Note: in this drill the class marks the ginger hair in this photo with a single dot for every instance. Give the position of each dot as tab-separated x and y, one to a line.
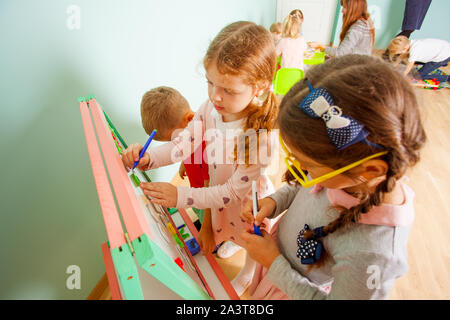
247	50
355	10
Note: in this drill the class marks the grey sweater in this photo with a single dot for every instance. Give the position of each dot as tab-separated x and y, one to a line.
364	259
358	40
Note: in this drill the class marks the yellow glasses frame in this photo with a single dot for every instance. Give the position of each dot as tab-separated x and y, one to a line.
304	181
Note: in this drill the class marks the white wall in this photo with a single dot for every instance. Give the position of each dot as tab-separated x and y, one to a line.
318	17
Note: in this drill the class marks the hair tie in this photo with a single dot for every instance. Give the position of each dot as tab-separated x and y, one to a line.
343	130
309	251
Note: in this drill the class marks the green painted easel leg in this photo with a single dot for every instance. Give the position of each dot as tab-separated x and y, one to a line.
156	262
127	273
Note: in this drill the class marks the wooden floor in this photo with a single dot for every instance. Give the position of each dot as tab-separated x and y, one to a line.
428	246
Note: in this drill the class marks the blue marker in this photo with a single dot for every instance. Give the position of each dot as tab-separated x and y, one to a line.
144	149
255	207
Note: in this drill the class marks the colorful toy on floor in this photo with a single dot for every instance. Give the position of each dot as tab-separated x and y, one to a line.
430	84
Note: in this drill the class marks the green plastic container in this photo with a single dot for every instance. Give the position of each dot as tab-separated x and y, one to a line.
285	79
318	58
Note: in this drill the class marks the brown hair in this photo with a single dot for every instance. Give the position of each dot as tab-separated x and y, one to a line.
375	95
276	27
292	24
162	108
247	50
355	10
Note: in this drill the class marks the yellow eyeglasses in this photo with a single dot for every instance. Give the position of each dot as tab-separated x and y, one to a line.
304	181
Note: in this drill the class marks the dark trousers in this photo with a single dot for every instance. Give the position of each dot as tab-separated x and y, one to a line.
415	11
429	67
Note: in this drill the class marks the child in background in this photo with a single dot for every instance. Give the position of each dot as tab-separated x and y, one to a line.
240	64
358	33
166	110
292	45
347	238
276	29
433	53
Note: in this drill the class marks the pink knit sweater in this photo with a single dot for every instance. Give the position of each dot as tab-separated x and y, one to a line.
230	182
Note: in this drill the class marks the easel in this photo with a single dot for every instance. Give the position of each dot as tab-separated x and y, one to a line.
140	257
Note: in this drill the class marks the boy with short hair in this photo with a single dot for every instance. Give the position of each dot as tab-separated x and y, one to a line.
165	109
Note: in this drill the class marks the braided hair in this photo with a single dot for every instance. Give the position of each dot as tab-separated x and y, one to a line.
377	96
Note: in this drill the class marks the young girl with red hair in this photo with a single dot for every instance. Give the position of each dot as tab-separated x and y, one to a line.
358	33
240	63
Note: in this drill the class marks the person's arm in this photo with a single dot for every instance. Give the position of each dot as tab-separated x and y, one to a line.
316	45
270	206
234	190
408	68
358	275
206	235
182	146
283	198
351	39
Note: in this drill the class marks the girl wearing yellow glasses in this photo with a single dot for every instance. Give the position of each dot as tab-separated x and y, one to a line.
349	130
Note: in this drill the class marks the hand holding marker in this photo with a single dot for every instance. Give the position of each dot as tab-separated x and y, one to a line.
255	207
144	149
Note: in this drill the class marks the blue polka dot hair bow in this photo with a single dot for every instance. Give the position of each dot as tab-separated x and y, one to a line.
309	251
343	130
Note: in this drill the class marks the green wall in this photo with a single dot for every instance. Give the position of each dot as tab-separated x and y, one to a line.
387	16
50	215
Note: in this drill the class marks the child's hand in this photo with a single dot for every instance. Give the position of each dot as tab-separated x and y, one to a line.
163	193
262	249
182	171
308	55
316	45
131	154
266	207
206	238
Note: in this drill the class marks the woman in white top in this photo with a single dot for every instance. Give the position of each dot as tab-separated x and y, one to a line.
292	45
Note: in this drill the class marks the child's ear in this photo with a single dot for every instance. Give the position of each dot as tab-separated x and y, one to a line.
188	117
261	89
374	168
